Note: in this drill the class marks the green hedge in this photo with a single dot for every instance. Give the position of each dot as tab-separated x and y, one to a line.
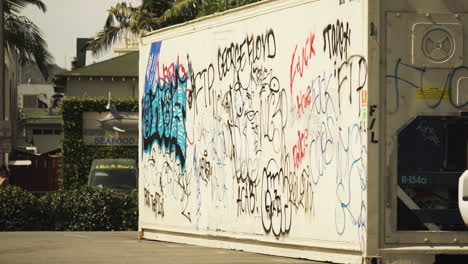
82	209
19	210
77	157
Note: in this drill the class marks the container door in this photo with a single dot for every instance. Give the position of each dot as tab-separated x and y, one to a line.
426	126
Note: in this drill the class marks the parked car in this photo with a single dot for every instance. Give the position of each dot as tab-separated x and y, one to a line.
117	174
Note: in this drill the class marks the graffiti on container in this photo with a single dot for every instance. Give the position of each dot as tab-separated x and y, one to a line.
201	85
352	176
410	76
428	132
205	169
247	197
164	106
299	149
372	110
300	60
337	39
171	183
342	2
351	76
256	149
235	57
155	202
276	209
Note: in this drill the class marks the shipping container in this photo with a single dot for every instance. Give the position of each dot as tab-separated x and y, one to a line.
332	130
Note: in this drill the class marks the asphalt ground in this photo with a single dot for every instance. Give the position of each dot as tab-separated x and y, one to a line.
115	247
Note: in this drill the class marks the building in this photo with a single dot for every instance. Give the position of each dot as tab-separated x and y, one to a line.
40	130
39	119
126	45
34	91
118	75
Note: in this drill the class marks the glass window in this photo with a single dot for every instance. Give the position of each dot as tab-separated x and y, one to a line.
114	178
37	131
29	101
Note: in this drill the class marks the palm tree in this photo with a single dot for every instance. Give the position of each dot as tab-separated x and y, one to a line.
23	37
212	6
123	21
126	21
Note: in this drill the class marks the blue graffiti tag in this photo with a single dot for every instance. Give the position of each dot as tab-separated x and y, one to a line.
418	83
351	167
164	106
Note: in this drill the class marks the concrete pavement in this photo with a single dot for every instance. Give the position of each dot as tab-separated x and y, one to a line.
115	247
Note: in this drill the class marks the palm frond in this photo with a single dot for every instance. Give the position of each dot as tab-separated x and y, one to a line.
120	22
24	37
211	7
181	11
120	13
15	6
155	7
144	21
105	39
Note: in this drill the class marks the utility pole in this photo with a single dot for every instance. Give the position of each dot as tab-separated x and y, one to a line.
2	77
2	62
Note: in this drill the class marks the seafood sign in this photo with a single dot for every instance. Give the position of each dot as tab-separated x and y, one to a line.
110	129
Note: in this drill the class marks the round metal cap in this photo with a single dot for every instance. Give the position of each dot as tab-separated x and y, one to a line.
438	45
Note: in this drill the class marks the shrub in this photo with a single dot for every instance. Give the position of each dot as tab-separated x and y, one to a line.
56	209
130	211
90	209
83	209
19	210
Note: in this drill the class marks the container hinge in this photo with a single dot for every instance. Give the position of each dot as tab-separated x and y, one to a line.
372	30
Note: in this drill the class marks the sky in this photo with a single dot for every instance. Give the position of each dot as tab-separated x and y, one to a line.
67	20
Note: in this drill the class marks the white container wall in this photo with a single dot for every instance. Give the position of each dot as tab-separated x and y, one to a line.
253	126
